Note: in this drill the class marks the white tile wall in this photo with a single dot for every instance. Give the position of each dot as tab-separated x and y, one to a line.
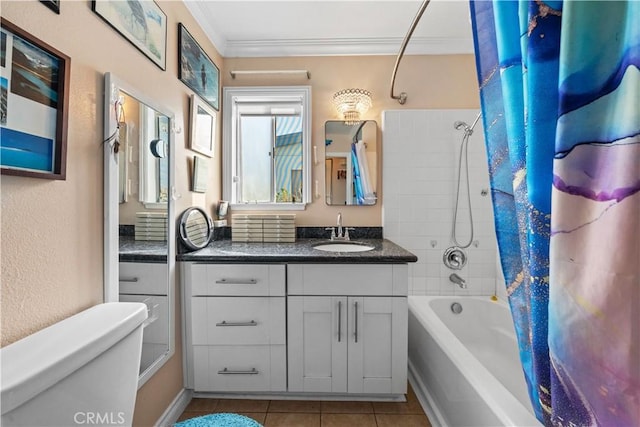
420	150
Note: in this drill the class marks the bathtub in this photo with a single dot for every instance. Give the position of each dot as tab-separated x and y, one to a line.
465	367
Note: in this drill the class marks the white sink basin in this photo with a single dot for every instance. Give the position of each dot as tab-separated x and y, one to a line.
343	247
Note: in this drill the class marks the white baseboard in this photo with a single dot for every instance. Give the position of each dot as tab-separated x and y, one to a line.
425	398
175	409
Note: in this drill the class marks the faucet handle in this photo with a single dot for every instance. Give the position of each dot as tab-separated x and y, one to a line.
333	232
346	232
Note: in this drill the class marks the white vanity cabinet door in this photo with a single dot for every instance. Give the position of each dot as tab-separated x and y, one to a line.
317	344
377	354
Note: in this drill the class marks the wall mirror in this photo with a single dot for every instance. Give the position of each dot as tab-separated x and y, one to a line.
139	248
351	163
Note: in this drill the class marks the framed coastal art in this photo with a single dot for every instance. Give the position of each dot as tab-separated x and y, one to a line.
34	98
196	69
141	22
52	4
202	130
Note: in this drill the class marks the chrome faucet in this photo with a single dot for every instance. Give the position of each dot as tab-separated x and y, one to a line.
340	232
458	280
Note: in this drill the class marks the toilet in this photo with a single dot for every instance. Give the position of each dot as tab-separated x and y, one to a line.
80	371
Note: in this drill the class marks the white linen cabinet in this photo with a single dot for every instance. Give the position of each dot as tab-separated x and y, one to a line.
347	328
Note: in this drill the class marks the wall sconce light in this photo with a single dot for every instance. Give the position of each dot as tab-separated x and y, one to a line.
352	104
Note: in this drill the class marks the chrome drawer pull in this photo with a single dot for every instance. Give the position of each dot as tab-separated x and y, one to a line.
237	281
356	320
339	321
128	279
252	371
225	323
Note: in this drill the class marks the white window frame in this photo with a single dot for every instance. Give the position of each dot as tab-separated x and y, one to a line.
265	94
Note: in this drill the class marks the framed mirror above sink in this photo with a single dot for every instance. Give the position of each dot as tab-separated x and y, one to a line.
351	163
139	230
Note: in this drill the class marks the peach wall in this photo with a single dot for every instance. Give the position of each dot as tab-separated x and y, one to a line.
52	231
435	81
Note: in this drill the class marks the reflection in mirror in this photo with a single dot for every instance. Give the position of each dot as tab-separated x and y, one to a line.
196	228
351	162
139	253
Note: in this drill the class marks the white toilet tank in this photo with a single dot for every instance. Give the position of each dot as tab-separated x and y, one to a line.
80	371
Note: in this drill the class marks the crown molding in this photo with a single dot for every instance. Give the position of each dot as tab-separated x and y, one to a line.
325	46
351	46
199	13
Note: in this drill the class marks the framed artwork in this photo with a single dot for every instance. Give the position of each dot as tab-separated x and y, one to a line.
34	99
202	131
141	22
52	4
196	69
200	175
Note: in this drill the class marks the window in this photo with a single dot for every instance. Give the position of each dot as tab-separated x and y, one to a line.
266	147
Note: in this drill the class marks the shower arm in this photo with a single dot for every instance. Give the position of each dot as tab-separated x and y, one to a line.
402	98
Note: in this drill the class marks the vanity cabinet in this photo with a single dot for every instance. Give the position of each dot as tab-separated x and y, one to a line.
146	282
235	329
347	328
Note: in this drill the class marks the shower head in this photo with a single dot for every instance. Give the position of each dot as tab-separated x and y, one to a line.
460	125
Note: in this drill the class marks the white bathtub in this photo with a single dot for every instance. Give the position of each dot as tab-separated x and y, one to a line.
465	367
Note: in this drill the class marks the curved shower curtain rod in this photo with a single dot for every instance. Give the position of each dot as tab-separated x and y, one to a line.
402	98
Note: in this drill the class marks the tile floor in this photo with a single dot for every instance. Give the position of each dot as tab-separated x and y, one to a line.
302	413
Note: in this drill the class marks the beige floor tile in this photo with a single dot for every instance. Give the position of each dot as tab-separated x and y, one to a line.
348	420
281	419
242	405
199	404
388	420
258	416
308	406
188	415
348	407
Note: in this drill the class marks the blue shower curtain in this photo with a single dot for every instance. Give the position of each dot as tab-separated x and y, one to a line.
560	97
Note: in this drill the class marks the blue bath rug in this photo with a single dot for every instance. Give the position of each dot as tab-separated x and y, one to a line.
219	420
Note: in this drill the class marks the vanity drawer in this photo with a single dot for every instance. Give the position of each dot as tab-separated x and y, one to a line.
236	279
143	278
238	320
239	368
347	279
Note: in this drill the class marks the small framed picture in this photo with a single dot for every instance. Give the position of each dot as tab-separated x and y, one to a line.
200	175
52	4
196	69
202	132
141	22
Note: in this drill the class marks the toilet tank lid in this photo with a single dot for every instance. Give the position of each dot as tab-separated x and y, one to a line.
38	361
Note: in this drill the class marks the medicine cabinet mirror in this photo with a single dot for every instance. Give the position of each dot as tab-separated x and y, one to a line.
139	249
351	163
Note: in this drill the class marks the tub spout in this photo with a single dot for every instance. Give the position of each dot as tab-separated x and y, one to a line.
458	280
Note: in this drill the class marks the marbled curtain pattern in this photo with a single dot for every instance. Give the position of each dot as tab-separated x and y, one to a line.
560	92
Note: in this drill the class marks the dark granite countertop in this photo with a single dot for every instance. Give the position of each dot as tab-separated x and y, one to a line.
132	250
226	251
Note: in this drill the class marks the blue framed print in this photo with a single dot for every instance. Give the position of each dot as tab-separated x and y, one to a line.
196	69
33	105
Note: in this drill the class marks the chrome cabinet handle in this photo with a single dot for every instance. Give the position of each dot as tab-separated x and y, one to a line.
225	323
252	371
128	279
237	281
356	320
339	321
